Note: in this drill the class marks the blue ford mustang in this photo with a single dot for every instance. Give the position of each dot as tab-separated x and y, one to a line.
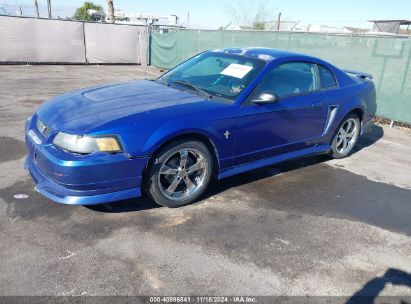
220	113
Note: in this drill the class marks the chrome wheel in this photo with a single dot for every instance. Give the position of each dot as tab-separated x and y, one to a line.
347	136
182	174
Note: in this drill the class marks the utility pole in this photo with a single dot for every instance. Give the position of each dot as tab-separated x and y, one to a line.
110	8
278	21
36	5
188	19
49	8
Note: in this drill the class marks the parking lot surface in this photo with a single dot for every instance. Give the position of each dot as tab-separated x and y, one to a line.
309	227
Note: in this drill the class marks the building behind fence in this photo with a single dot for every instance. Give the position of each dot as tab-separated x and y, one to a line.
56	41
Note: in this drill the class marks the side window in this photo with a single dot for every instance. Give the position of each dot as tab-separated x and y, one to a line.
290	78
327	78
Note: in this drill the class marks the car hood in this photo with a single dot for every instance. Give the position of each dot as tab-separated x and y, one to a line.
85	110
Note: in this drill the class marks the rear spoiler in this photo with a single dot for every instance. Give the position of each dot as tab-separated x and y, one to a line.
360	75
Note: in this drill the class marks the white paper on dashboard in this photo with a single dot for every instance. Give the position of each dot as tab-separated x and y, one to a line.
236	70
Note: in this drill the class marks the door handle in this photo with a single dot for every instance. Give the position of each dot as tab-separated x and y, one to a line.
317	105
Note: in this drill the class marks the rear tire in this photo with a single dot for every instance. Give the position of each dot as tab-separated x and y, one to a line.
346	136
179	173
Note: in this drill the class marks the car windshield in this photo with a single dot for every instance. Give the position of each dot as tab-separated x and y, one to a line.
214	75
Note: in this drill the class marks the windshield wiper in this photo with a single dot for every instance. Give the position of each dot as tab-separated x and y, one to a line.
194	87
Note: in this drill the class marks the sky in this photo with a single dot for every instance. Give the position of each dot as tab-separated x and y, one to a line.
213	13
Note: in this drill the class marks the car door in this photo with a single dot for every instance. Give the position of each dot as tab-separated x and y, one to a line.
296	121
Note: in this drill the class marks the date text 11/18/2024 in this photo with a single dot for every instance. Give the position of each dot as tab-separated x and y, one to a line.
203	299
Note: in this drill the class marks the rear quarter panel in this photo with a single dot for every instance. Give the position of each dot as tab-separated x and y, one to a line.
359	95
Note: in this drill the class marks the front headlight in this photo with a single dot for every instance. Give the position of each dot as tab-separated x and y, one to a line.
86	144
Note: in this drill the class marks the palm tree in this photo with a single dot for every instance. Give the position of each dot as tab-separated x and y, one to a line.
110	6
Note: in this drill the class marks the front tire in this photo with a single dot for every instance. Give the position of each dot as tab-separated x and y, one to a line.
346	136
179	173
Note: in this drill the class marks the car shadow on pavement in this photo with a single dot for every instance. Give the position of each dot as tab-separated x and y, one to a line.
374	134
216	186
130	205
219	186
143	203
370	291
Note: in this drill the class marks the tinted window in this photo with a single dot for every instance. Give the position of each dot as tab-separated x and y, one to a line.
290	78
326	77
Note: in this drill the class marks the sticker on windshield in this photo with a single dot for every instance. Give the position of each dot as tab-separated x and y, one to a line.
237	70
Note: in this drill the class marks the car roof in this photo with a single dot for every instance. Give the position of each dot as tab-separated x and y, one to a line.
265	54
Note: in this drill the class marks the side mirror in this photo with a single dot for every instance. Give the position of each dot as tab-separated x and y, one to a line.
264	98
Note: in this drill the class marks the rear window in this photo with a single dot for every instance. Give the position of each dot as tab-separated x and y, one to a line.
327	78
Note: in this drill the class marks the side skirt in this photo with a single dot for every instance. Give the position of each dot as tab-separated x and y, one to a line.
320	149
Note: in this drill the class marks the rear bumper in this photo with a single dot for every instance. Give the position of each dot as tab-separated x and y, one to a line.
82	179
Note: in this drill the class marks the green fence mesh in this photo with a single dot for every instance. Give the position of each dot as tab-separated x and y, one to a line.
388	59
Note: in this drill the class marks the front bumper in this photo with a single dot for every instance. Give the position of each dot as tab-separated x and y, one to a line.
81	179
